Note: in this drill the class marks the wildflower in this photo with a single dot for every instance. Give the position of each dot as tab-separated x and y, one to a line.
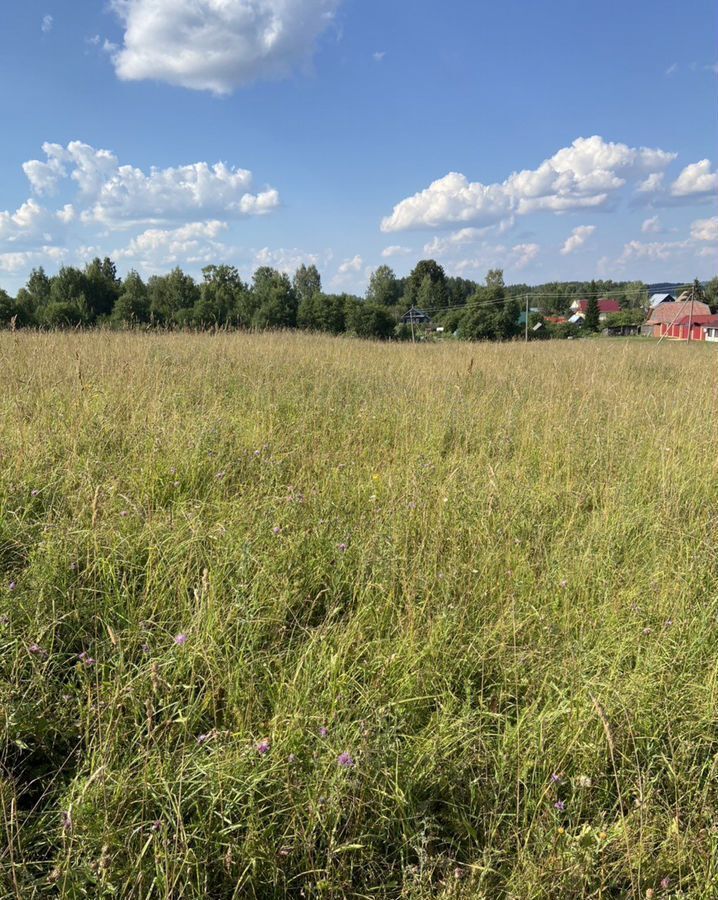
564	583
602	835
647	630
668	623
665	883
583	781
145	648
562	830
204	738
277	529
124	514
181	640
411	505
342	548
650	894
36	650
459	873
156	825
34	492
323	731
220	475
345	760
263	747
555	779
86	659
66	821
291	758
559	805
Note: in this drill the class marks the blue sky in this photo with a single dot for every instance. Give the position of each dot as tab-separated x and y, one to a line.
556	140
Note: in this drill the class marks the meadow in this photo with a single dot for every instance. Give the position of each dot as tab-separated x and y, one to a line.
297	616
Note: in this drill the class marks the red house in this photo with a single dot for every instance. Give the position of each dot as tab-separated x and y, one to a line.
694	328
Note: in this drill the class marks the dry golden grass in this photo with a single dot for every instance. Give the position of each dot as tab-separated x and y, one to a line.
476	566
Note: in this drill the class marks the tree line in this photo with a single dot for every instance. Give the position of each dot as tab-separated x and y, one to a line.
96	295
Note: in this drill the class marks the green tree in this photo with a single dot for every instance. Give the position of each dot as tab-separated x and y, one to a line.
221	296
384	288
102	287
8	308
435	273
168	294
369	320
711	292
324	312
275	300
592	318
132	305
307	282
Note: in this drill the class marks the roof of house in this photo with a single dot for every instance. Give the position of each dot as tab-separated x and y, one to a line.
656	299
604	305
416	313
667	312
698	320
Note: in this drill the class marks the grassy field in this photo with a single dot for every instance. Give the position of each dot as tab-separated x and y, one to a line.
297	616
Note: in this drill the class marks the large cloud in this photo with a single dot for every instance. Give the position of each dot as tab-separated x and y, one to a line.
696	180
705	229
115	194
217	45
582	176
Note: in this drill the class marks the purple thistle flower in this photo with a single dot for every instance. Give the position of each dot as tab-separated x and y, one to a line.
36	650
556	779
145	648
12	586
86	659
180	640
559	805
263	747
342	548
665	883
345	760
323	731
203	738
277	529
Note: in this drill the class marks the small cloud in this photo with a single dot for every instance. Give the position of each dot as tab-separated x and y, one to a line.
713	67
379	55
577	238
351	265
47	23
395	250
652	226
94	41
672	69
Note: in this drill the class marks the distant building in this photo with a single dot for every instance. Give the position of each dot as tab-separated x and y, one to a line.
666	314
694	328
605	308
415	316
657	299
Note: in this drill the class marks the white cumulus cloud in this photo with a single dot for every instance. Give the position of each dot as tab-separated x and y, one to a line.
395	250
651	225
577	238
217	45
46	24
191	244
705	229
351	265
113	194
696	179
581	176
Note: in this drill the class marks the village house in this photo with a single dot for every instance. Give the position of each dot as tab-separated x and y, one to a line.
696	328
605	308
415	316
657	299
666	315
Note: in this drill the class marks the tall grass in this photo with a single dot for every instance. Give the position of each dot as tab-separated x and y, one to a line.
309	617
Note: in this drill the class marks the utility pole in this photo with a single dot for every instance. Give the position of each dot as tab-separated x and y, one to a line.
411	319
527	318
690	314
